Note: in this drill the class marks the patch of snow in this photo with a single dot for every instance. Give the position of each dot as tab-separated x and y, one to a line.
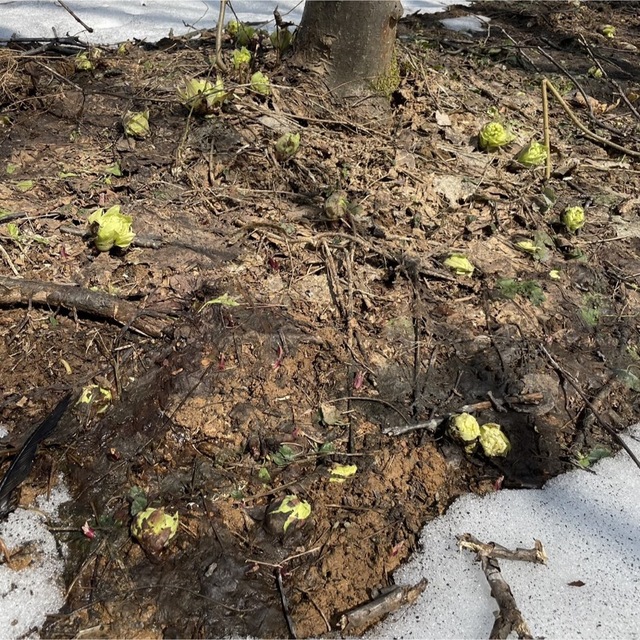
590	527
115	21
467	24
28	594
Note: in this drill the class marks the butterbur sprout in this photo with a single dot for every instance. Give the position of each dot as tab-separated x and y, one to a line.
287	514
464	429
595	72
492	136
136	123
154	529
241	57
287	145
260	84
201	96
336	206
111	228
573	218
83	63
528	246
493	441
608	30
459	264
533	154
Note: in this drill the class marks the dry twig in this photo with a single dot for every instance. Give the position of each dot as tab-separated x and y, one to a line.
366	615
509	619
96	303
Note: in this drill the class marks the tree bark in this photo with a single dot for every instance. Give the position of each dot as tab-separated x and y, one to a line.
350	43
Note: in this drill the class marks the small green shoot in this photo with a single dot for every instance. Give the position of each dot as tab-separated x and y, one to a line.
225	300
284	456
510	288
138	500
597	453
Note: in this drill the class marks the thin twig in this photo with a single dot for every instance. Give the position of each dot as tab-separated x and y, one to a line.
434	423
74	16
219	62
545	126
537	555
574	383
285	605
589	134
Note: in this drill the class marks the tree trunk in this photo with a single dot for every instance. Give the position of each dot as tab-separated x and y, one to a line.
350	43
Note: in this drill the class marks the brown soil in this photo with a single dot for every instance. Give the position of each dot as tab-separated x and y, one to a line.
342	330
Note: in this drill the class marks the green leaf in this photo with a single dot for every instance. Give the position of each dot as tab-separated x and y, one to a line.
13	230
284	456
114	170
597	453
138	500
264	475
25	185
224	300
12	168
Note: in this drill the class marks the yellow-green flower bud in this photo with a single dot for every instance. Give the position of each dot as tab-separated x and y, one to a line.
232	27
260	84
533	154
136	123
595	72
573	218
336	206
241	57
608	30
465	430
83	63
459	264
528	246
493	441
201	96
287	145
492	136
111	228
154	529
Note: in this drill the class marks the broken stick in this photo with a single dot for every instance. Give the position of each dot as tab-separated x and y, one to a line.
96	303
509	618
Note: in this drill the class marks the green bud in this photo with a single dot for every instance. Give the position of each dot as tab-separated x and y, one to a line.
260	84
201	96
241	57
287	514
459	264
287	145
608	30
493	441
573	218
492	136
465	430
136	123
281	39
595	72
533	154
336	206
154	529
111	228
83	63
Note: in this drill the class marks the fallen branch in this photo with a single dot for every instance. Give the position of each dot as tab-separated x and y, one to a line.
366	615
536	555
432	425
74	16
509	619
95	303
